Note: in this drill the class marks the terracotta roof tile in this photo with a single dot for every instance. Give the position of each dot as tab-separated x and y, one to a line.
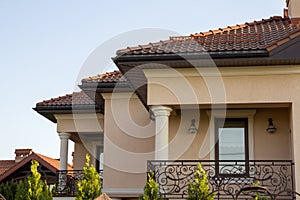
76	98
81	98
5	165
53	162
108	77
255	35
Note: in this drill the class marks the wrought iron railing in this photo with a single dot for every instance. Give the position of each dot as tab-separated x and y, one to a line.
226	178
67	181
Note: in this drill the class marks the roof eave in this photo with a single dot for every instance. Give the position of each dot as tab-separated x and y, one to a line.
193	55
105	87
49	111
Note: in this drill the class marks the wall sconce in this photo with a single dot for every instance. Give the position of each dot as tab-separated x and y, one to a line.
271	128
193	129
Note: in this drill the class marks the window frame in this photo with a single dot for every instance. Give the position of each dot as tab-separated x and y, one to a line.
222	123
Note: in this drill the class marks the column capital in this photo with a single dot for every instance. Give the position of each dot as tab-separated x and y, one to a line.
161	110
64	135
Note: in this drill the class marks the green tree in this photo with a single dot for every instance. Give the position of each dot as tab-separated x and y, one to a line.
33	188
89	187
199	189
8	190
151	190
22	189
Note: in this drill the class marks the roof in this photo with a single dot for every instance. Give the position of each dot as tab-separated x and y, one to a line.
250	43
74	99
77	99
69	103
83	101
12	166
5	165
53	162
257	35
108	77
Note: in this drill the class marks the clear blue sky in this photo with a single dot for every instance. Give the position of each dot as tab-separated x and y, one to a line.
43	45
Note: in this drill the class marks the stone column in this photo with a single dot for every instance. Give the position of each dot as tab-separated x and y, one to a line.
161	114
64	143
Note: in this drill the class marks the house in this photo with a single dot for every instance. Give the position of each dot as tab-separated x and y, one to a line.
228	98
19	168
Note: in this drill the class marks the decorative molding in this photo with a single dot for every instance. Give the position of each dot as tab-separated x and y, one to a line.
79	116
161	110
119	95
64	136
224	71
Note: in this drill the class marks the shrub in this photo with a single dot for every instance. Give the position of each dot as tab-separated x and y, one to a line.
89	187
8	190
258	195
199	189
151	190
22	190
33	188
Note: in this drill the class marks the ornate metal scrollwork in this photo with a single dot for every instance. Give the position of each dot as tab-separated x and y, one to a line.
67	181
226	178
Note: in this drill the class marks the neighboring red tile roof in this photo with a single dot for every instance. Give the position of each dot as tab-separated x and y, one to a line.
53	162
9	167
5	165
256	35
77	98
108	77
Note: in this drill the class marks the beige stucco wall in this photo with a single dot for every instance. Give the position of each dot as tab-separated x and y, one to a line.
81	122
128	144
237	86
129	133
121	149
228	85
277	146
294	8
246	87
86	131
79	156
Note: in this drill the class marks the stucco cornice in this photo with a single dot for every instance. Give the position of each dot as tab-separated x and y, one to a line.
228	71
123	95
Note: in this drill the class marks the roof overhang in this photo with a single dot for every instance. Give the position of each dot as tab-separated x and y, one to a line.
50	111
132	66
94	90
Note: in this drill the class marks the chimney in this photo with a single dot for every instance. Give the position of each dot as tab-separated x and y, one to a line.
293	10
21	154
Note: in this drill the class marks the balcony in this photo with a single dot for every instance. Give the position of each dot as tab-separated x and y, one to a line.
67	181
226	178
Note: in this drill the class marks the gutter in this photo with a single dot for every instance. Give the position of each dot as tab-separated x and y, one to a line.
49	111
197	55
106	87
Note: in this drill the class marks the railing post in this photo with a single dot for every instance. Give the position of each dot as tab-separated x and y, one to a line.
61	183
294	193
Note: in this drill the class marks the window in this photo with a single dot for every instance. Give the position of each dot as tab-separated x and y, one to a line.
99	157
231	149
